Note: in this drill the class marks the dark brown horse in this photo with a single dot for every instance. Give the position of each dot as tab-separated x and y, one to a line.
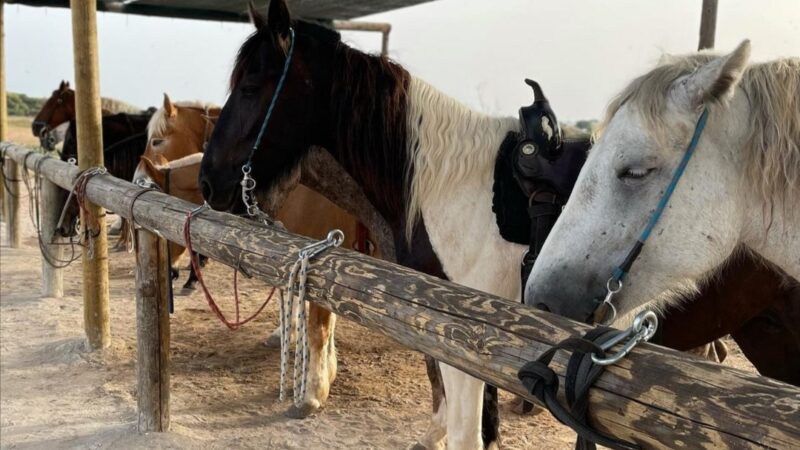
420	158
124	141
60	109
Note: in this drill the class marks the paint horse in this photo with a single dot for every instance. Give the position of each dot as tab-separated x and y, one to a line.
60	109
393	134
737	194
124	141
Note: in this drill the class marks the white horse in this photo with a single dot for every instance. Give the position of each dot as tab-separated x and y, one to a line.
740	191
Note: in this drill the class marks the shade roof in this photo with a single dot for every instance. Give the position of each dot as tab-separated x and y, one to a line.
235	10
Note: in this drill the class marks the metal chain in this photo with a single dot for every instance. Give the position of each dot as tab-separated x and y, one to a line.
297	283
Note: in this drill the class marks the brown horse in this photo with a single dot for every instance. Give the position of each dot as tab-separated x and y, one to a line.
60	109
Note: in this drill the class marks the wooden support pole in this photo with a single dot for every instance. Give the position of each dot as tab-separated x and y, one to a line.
708	24
655	396
90	154
13	179
12	174
52	277
3	106
152	331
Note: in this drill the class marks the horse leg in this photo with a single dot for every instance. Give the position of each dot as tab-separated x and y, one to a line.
189	285
465	403
433	439
321	362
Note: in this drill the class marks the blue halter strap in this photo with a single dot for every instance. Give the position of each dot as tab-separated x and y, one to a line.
275	97
614	283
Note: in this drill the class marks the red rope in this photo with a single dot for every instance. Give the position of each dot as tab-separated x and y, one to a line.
187	237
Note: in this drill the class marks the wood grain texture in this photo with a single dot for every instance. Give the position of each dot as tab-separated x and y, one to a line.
90	154
52	277
658	397
152	331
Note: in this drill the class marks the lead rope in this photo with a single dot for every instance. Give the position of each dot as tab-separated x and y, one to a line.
212	304
297	283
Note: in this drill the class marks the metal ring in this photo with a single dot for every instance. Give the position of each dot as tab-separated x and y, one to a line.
335	237
246	169
613	290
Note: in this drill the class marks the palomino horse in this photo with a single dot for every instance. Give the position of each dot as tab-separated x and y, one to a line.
60	109
178	133
124	139
395	135
738	193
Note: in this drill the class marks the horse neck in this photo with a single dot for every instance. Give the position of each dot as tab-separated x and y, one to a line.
771	230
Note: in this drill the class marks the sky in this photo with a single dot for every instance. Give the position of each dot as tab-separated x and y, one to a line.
479	51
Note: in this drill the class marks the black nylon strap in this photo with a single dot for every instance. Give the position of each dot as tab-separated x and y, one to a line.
540	380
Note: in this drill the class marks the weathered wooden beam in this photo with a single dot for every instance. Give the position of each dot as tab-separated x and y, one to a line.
708	25
52	276
90	154
152	331
658	397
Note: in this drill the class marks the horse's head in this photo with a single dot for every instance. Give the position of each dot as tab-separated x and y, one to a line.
646	134
177	178
298	119
59	108
177	130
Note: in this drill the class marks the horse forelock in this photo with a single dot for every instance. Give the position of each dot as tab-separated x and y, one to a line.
252	45
772	89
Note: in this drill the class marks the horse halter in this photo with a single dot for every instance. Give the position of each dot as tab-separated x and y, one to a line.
248	183
614	284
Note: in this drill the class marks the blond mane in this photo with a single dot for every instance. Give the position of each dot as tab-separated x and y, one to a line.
159	123
773	93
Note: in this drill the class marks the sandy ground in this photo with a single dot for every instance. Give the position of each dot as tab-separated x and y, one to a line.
54	394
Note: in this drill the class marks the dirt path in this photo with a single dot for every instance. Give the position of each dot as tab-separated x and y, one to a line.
54	394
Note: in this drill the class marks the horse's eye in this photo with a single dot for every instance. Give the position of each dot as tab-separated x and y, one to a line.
156	142
249	90
634	173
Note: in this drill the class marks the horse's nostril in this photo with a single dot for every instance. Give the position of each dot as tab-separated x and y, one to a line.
205	189
542	306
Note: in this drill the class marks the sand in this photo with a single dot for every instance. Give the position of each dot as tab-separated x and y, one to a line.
55	394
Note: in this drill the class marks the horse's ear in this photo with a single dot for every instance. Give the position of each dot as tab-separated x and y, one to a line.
64	85
713	82
169	107
278	17
256	17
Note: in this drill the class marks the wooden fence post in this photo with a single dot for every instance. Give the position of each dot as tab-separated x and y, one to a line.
90	154
152	331
3	108
708	24
13	176
52	277
12	173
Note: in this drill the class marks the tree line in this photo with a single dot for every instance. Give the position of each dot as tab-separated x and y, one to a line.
22	105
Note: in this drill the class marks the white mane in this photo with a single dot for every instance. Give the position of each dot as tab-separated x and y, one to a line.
448	142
